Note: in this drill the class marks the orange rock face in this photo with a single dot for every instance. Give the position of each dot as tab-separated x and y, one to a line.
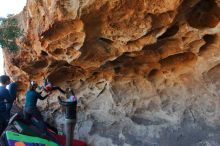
146	72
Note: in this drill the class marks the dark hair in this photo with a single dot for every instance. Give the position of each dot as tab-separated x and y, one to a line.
4	79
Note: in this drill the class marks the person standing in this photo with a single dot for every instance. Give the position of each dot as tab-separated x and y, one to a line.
70	105
12	88
5	98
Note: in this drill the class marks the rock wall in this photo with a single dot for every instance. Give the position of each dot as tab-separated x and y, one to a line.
146	72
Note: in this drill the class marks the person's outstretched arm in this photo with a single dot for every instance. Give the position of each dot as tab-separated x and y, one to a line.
58	88
42	97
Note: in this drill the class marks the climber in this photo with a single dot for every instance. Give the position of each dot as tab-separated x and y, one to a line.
48	87
30	108
5	99
30	111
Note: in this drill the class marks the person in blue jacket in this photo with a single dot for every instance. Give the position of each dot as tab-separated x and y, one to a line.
31	113
5	97
32	96
12	88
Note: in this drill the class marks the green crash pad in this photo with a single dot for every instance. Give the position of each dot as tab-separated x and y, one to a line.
28	139
24	129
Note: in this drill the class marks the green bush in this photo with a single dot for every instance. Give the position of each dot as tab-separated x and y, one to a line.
9	31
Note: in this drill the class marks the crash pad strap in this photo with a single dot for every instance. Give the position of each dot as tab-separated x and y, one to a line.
29	139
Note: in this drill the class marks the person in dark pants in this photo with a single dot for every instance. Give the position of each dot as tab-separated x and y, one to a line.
5	97
30	108
70	105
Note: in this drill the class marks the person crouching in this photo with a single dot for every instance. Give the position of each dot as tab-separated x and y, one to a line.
30	108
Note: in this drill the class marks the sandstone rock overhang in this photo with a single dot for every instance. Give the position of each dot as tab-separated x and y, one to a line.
152	63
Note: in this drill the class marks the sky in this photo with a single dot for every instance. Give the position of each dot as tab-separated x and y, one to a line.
9	7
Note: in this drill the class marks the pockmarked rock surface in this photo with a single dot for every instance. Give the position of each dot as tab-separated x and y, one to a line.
146	72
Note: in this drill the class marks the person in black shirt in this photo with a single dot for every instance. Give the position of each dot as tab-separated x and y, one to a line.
5	97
